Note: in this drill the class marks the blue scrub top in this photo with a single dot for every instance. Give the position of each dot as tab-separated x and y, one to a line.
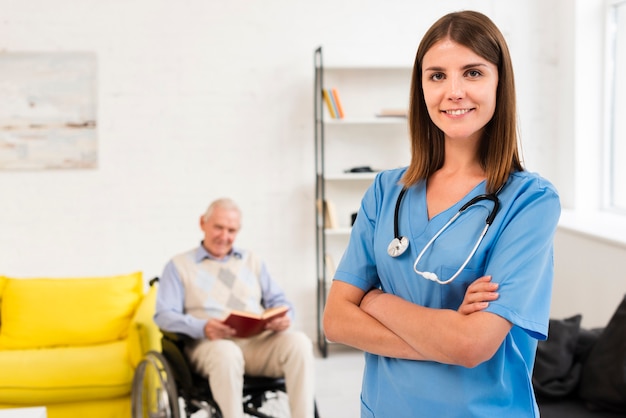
517	252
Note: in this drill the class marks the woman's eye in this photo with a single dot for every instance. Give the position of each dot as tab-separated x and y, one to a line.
436	76
473	73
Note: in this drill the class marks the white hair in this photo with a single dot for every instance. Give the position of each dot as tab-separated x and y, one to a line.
224	203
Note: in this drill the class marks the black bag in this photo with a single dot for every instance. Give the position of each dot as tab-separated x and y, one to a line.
603	378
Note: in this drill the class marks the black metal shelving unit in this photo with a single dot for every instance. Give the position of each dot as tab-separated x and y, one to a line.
320	198
367	88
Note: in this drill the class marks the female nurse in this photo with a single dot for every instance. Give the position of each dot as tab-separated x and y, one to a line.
425	356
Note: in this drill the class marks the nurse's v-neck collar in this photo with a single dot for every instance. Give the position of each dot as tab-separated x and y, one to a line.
456	206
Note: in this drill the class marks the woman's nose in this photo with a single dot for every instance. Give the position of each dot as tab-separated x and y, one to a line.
456	89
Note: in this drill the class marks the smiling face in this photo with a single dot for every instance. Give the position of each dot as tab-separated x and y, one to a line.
459	90
220	230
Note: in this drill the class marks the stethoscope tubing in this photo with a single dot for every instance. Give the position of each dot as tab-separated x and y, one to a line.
399	244
432	276
396	214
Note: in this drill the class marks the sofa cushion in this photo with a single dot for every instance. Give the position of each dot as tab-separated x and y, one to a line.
48	312
100	408
556	373
64	374
603	379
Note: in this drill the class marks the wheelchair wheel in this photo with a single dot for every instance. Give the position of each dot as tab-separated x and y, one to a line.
270	404
154	393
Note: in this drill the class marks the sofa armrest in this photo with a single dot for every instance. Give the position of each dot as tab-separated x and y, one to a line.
144	335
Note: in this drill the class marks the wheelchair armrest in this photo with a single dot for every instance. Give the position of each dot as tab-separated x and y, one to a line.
176	337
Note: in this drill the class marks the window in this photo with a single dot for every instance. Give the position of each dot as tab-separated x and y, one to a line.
616	106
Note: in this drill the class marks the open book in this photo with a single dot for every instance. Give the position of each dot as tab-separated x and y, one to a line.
250	324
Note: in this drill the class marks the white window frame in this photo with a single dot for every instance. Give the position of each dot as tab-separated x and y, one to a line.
591	213
614	182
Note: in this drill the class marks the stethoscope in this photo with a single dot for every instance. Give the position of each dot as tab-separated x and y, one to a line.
399	244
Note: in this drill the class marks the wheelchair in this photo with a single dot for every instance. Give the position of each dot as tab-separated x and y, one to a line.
166	386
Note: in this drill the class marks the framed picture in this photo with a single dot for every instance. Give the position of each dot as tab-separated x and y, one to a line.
47	110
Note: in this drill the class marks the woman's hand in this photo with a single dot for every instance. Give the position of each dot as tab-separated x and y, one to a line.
478	295
368	300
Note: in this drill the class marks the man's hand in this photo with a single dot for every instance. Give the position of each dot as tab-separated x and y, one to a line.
279	324
478	295
216	329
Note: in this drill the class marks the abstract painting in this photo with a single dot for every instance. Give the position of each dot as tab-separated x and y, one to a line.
47	110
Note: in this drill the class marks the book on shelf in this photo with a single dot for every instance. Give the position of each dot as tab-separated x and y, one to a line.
329	264
248	324
329	213
333	104
338	106
329	103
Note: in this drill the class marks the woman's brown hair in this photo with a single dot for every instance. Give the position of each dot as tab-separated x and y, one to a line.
498	149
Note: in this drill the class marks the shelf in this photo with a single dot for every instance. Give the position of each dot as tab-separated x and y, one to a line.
364	68
370	135
387	120
351	176
338	231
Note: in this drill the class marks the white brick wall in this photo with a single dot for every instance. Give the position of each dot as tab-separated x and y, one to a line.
199	99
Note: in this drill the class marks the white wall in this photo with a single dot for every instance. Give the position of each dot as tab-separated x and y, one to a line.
590	277
201	99
590	246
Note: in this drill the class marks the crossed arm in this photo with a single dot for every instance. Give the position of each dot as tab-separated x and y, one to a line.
393	327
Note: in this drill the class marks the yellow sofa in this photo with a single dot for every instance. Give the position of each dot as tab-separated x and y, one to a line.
72	344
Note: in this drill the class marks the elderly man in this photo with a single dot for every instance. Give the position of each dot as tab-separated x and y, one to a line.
200	287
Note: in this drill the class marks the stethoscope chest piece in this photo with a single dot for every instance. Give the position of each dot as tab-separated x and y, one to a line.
398	246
